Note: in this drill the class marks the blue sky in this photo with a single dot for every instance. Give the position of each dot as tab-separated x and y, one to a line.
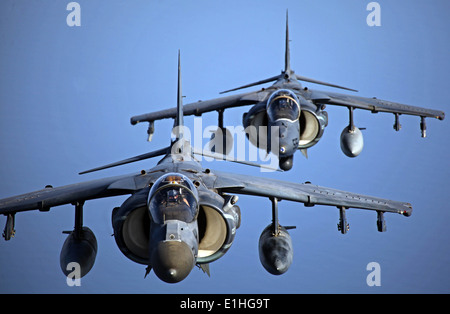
67	93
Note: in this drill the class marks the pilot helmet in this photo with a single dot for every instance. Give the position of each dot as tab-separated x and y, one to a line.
173	197
283	104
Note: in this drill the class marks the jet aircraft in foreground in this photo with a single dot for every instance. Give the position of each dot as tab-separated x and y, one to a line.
180	214
298	111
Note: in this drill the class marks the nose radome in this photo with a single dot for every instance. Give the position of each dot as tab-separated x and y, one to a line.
172	261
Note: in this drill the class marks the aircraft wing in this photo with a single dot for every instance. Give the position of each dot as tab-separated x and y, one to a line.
306	193
50	197
200	107
373	104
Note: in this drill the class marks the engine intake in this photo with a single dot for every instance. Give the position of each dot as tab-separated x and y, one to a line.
131	224
217	223
312	126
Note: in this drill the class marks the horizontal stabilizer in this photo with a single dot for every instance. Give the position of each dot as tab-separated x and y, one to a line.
270	79
227	158
130	160
298	77
310	80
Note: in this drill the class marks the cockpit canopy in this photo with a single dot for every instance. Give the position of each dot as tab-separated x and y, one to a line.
173	197
283	104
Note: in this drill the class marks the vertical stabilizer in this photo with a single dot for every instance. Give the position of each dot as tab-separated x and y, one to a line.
178	123
287	53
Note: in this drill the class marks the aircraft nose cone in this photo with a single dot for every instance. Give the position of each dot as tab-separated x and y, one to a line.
172	261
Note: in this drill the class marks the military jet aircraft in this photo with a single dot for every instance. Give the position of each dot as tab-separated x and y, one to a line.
180	214
297	111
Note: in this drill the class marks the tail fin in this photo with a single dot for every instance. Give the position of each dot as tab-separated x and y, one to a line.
288	74
178	146
178	124
287	53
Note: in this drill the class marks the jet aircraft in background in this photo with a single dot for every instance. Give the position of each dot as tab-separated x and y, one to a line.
298	111
180	214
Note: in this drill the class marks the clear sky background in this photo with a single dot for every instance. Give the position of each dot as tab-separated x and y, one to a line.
67	93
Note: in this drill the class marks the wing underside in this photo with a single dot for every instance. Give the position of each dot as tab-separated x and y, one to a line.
306	193
372	104
49	197
200	107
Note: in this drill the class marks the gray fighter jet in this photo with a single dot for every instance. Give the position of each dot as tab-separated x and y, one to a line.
297	111
180	214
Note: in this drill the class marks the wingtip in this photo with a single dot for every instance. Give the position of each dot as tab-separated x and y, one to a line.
91	170
407	212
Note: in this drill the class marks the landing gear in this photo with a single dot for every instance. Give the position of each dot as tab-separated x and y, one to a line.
381	223
9	231
397	125
342	226
423	126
